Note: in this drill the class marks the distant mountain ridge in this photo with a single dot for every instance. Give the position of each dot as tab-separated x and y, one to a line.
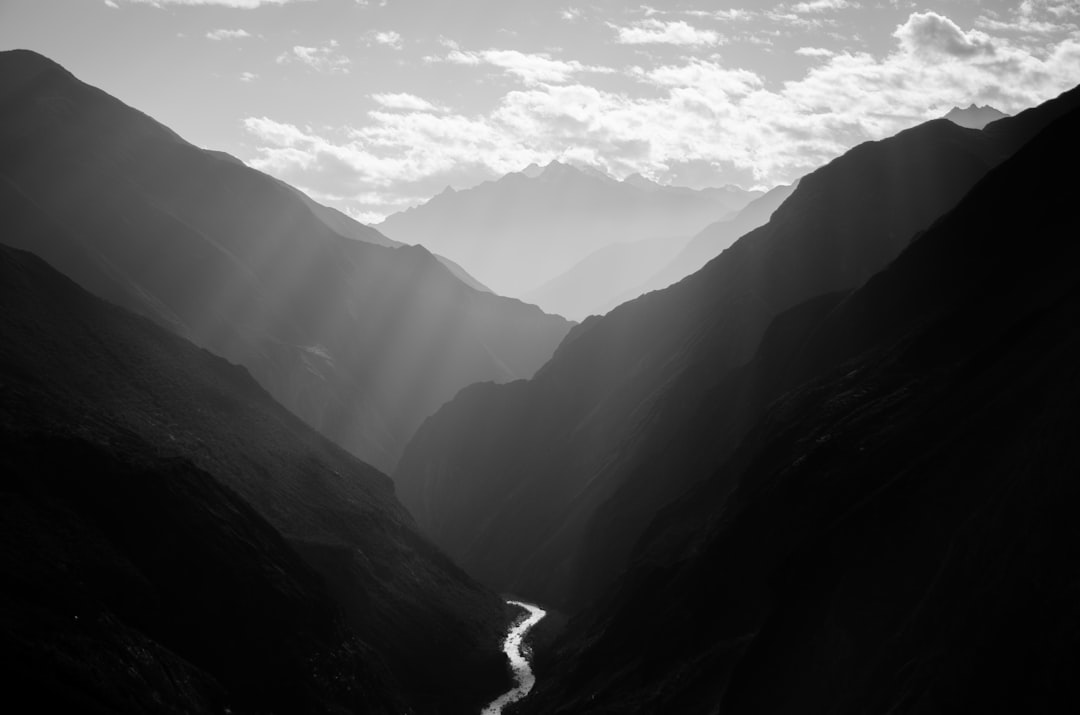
363	341
526	228
974	116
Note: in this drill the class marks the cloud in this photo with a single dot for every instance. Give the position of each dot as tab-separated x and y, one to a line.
248	76
239	4
227	34
822	5
388	38
676	32
110	3
405	101
323	58
933	34
814	52
692	117
570	14
532	68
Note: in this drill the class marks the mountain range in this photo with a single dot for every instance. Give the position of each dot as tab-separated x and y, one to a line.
543	486
821	460
530	227
360	338
896	532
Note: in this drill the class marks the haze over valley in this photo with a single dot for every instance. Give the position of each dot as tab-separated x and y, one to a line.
507	357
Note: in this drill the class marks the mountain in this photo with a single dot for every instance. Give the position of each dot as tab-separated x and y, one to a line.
345	225
363	341
543	486
897	531
974	116
177	541
527	228
708	244
603	277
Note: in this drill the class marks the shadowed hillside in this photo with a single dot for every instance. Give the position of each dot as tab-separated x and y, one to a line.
897	531
543	486
165	521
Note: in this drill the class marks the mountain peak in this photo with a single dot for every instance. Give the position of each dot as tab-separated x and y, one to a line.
974	116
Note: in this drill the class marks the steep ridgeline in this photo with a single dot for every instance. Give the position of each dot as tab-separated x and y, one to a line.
349	228
543	486
902	536
606	277
362	341
711	241
530	227
174	540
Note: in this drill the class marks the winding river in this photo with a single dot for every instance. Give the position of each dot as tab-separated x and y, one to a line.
517	652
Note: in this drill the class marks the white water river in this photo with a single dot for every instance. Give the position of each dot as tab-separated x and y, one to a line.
518	653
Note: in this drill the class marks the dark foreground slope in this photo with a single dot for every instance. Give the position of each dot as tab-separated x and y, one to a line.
362	341
543	486
165	521
903	535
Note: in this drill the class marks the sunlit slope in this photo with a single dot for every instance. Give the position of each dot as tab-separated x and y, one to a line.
362	341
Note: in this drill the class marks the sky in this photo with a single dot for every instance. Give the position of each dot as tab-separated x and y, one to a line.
373	106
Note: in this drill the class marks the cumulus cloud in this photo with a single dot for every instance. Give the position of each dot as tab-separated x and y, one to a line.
530	67
694	117
323	58
822	5
934	34
675	32
405	101
814	52
248	76
227	34
239	4
389	38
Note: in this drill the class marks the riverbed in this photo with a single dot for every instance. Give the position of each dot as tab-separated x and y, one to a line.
518	653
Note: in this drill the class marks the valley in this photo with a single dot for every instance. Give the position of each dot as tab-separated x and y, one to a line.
512	359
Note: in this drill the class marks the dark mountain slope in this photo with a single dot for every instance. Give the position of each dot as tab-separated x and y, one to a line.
510	478
130	457
902	534
362	341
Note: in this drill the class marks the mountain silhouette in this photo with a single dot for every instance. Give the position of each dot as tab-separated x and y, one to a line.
177	540
896	532
709	243
543	486
606	277
363	341
527	228
974	116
